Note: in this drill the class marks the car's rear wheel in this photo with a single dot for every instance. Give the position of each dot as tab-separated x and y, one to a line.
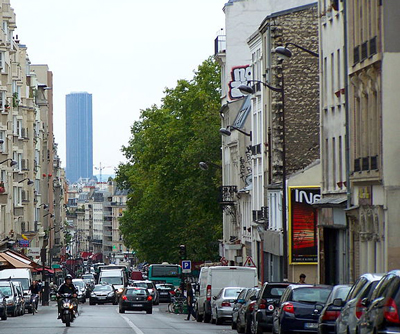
207	318
149	311
218	321
199	317
91	303
4	316
121	310
233	325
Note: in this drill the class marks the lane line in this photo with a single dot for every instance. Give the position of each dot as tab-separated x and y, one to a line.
132	325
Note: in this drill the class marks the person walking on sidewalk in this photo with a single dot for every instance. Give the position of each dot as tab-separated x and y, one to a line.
190	301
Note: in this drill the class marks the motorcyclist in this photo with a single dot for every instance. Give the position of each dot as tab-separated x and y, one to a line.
67	287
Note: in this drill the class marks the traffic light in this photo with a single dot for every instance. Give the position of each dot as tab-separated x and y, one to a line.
182	251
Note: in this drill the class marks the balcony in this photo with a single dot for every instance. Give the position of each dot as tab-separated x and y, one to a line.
220	44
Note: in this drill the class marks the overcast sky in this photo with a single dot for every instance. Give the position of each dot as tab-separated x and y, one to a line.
124	52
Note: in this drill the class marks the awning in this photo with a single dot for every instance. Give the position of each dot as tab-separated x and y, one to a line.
40	269
330	201
13	262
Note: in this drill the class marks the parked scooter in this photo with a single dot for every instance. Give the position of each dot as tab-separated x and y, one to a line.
68	309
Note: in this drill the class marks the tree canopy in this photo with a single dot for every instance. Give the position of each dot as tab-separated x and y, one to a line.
171	200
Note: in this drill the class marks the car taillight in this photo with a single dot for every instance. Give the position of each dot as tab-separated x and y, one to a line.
359	309
208	292
263	304
330	315
226	304
251	306
288	307
172	293
390	311
124	297
149	298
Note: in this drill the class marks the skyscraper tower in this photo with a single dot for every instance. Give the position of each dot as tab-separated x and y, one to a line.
79	131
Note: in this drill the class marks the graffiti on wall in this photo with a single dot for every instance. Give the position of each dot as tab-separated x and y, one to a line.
239	75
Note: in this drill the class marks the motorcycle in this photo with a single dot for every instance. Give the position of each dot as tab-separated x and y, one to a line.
68	309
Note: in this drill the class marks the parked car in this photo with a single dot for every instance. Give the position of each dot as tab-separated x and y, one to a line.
136	299
381	313
81	287
332	309
3	306
264	307
299	308
245	315
238	304
222	304
11	294
352	310
20	296
165	291
103	293
149	285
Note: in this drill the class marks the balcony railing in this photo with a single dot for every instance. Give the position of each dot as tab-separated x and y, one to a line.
227	195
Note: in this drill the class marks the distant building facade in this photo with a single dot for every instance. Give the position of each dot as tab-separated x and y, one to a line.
79	136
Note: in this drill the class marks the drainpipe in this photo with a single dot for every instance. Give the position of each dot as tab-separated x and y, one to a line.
350	277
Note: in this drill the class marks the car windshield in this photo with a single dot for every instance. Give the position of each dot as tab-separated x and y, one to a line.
112	280
144	285
103	288
6	290
131	292
311	294
24	282
87	277
165	286
79	284
273	291
232	293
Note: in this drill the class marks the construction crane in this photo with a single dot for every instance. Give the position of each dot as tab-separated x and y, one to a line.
100	168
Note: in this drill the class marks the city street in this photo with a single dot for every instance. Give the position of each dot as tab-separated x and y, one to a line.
105	319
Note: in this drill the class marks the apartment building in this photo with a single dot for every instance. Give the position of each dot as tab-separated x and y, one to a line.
31	215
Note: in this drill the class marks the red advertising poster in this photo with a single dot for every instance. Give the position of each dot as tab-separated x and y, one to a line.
303	224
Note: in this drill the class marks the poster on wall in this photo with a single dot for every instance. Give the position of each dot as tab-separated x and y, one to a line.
303	224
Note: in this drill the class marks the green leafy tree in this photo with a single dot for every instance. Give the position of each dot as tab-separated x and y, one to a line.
172	201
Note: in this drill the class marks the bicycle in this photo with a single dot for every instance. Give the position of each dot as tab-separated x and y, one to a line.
177	305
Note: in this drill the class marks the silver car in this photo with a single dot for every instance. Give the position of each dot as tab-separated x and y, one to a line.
222	304
351	312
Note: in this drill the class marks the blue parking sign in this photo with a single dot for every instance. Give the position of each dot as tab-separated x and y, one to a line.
186	266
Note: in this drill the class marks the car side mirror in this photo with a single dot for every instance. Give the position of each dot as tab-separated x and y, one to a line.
215	297
365	302
253	297
338	302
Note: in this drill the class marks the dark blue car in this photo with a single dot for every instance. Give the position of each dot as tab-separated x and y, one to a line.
299	308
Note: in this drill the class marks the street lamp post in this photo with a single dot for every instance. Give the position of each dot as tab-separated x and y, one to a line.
248	90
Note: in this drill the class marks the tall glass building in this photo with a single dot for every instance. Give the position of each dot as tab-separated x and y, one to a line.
79	133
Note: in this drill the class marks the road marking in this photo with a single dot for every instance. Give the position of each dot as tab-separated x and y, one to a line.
132	325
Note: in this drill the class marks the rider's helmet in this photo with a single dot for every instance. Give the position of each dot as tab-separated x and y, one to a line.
68	277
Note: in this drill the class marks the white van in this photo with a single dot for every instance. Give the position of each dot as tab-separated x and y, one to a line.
115	277
24	276
213	279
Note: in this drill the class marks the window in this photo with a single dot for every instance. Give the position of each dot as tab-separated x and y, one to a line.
3	141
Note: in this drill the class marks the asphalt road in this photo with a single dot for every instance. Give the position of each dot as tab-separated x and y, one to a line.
105	319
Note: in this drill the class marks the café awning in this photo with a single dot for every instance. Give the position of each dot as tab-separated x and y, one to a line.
13	261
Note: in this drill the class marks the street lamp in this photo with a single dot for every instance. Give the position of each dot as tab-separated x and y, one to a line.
226	132
205	165
12	162
285	53
51	215
29	181
248	90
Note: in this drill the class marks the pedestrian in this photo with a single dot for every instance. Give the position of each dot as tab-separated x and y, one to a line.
302	279
189	301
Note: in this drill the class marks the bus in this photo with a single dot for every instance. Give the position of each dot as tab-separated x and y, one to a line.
165	273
